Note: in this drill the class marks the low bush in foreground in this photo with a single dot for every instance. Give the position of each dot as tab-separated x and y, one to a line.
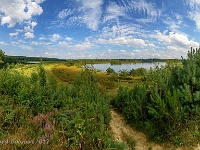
50	115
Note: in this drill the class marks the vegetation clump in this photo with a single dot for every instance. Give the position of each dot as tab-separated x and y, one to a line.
2	57
166	105
53	115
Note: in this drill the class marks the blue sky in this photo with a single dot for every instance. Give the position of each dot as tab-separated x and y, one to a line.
99	28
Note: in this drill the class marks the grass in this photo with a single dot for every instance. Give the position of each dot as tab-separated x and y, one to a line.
66	74
69	74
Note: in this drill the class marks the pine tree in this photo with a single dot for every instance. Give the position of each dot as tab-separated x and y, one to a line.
187	80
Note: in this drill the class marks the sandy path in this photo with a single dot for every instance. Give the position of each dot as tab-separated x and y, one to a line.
120	128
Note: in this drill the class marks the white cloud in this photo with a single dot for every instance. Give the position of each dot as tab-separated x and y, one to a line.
63	43
55	37
195	16
3	43
26	47
145	11
33	24
172	44
123	51
110	50
175	39
193	3
14	34
42	38
69	38
34	43
121	31
22	45
81	46
125	40
48	54
18	11
92	13
19	30
148	11
28	29
64	13
194	12
86	45
174	24
114	11
29	35
15	43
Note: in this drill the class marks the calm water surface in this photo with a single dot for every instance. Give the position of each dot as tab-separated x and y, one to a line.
128	67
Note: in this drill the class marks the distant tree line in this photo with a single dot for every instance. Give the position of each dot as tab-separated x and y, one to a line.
24	59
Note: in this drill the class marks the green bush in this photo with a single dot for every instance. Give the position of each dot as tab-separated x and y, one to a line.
165	103
110	71
61	114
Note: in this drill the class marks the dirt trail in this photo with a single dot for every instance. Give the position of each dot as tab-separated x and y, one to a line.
123	131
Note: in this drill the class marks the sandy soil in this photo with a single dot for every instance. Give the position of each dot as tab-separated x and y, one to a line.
121	129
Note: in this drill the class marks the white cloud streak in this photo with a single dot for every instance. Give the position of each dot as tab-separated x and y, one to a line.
148	11
92	13
114	11
194	13
65	13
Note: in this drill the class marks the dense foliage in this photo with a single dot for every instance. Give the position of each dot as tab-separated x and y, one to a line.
24	59
2	57
52	115
166	105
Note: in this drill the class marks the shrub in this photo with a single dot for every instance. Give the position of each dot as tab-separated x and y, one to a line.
110	71
62	115
168	99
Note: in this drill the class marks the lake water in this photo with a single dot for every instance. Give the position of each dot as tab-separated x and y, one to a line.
128	67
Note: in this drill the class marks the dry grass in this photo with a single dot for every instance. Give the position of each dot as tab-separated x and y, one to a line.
66	74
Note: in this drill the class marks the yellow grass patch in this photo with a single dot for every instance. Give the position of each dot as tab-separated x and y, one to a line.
66	74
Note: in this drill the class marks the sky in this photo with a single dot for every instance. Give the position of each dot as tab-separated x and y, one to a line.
102	29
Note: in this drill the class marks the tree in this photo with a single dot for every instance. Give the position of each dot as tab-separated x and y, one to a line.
123	73
186	79
132	72
70	62
2	56
110	71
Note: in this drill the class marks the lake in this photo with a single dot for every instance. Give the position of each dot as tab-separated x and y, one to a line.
128	67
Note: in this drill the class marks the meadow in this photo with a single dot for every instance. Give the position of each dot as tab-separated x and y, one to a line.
60	105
